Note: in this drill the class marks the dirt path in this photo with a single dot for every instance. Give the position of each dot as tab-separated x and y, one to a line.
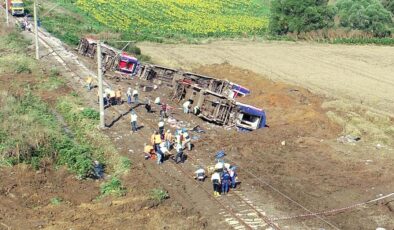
363	74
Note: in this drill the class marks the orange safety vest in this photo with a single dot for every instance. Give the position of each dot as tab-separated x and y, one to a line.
156	139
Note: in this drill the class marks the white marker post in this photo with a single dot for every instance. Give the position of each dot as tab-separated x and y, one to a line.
36	30
6	13
100	85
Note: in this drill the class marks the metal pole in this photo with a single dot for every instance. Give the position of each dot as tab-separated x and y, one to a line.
6	12
100	84
36	31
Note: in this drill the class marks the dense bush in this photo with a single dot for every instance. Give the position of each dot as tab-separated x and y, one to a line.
366	15
77	157
295	16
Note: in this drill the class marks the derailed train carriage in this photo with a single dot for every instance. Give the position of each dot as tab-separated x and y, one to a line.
219	108
212	99
112	59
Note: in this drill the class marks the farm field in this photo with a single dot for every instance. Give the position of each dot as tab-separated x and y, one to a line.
356	73
174	18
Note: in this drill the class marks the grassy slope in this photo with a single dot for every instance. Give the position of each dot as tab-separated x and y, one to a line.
30	129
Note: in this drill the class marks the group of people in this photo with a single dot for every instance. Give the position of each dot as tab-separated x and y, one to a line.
114	97
223	178
163	142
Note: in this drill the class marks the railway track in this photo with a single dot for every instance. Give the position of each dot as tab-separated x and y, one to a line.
237	211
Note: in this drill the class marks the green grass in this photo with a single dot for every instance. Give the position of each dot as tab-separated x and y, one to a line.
91	114
56	201
112	187
84	124
158	195
29	128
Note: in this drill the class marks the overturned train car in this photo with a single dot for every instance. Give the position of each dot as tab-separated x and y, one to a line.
211	99
112	59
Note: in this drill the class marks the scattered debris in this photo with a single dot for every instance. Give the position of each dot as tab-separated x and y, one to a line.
348	139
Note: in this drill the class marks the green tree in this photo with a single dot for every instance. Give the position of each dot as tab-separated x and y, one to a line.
366	15
300	16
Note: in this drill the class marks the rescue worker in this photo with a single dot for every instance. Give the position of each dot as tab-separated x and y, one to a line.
219	166
187	141
89	81
179	138
112	97
157	101
168	139
179	154
149	152
29	26
163	111
186	106
135	95
161	128
118	97
133	120
148	105
200	174
128	94
164	150
226	180
196	110
107	93
156	140
233	175
216	182
159	154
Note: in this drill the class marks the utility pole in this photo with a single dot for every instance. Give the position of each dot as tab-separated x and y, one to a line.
6	13
36	30
100	84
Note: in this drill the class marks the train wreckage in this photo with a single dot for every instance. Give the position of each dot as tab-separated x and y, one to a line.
212	99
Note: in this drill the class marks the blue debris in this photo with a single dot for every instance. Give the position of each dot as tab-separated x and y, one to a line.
220	154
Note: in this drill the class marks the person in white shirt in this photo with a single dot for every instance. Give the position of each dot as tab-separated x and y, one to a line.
164	150
216	182
135	95
179	154
186	106
187	141
157	101
128	94
161	128
133	120
200	174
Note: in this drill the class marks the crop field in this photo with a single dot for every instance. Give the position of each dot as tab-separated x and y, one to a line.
176	18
